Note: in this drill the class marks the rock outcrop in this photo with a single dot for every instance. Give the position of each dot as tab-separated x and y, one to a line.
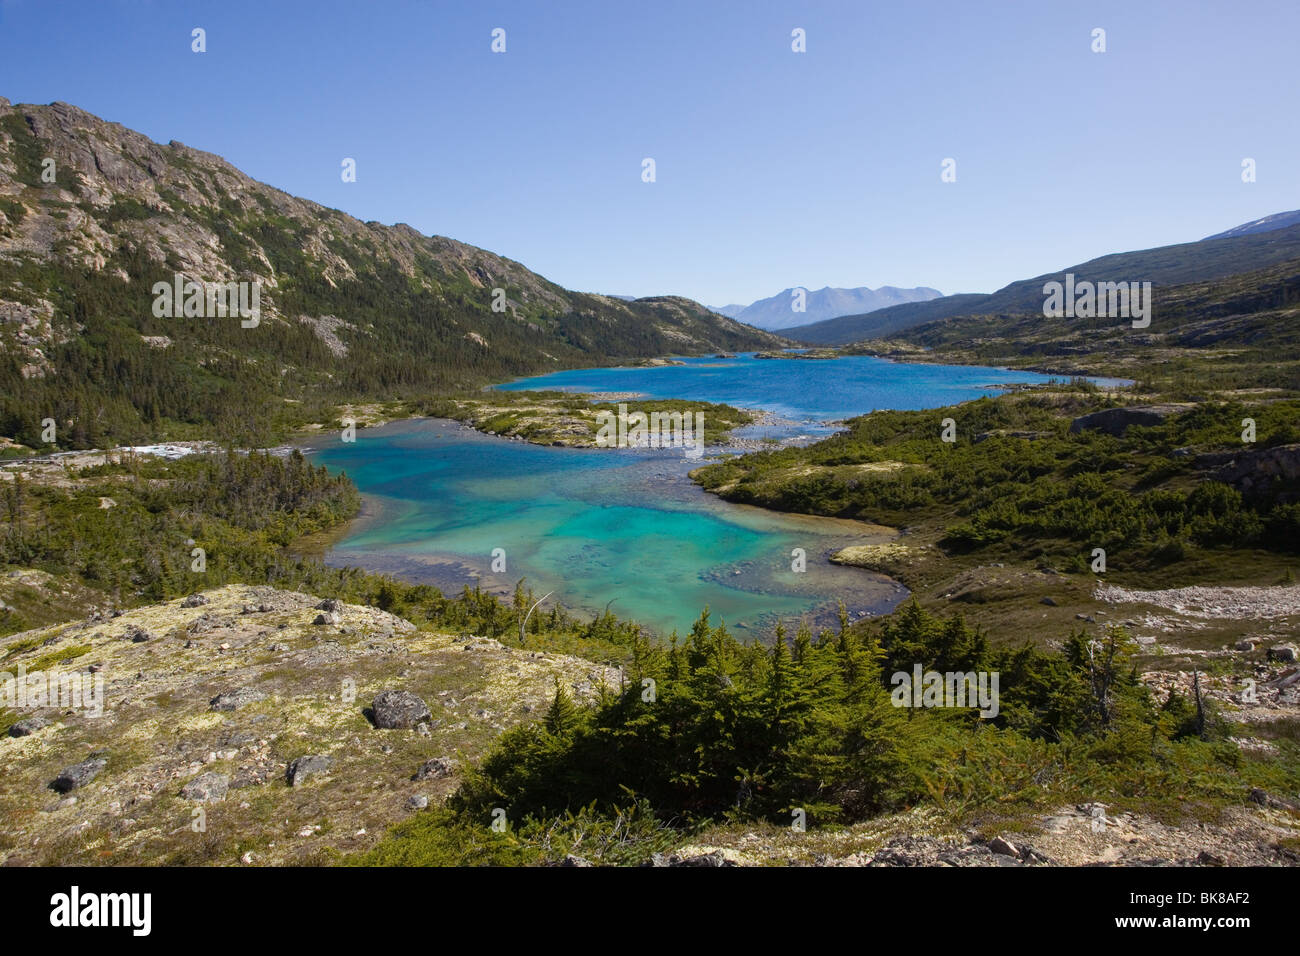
234	688
1254	471
1116	421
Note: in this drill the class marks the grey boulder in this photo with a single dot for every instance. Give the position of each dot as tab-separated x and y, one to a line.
307	766
399	710
79	774
28	726
206	786
235	699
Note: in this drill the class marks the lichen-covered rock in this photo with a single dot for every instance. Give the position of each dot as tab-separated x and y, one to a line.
194	600
79	774
435	768
163	731
235	699
202	624
206	787
308	766
137	635
28	726
399	710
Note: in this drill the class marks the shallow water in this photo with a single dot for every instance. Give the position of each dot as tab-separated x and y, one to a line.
594	526
627	527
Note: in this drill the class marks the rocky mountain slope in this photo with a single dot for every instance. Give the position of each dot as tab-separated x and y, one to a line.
92	215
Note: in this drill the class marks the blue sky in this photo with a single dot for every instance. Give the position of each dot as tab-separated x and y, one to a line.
774	169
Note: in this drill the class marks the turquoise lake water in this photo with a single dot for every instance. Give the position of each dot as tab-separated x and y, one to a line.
628	526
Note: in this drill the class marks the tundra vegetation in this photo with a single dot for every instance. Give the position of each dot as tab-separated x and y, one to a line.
732	732
745	734
1018	484
244	512
567	418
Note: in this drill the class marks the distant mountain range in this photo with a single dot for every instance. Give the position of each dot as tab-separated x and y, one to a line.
1247	247
777	312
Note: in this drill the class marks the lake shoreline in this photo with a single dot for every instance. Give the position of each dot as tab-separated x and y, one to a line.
864	548
868	594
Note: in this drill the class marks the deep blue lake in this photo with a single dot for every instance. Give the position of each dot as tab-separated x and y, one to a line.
802	389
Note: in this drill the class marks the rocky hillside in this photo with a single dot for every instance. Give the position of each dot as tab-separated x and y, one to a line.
255	726
1218	335
302	729
93	214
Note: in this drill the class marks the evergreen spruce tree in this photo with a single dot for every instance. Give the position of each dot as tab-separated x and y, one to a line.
562	718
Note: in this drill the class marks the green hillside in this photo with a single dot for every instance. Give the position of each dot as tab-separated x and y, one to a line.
349	310
1187	262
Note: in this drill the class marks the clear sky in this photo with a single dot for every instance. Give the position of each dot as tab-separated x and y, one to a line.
774	168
